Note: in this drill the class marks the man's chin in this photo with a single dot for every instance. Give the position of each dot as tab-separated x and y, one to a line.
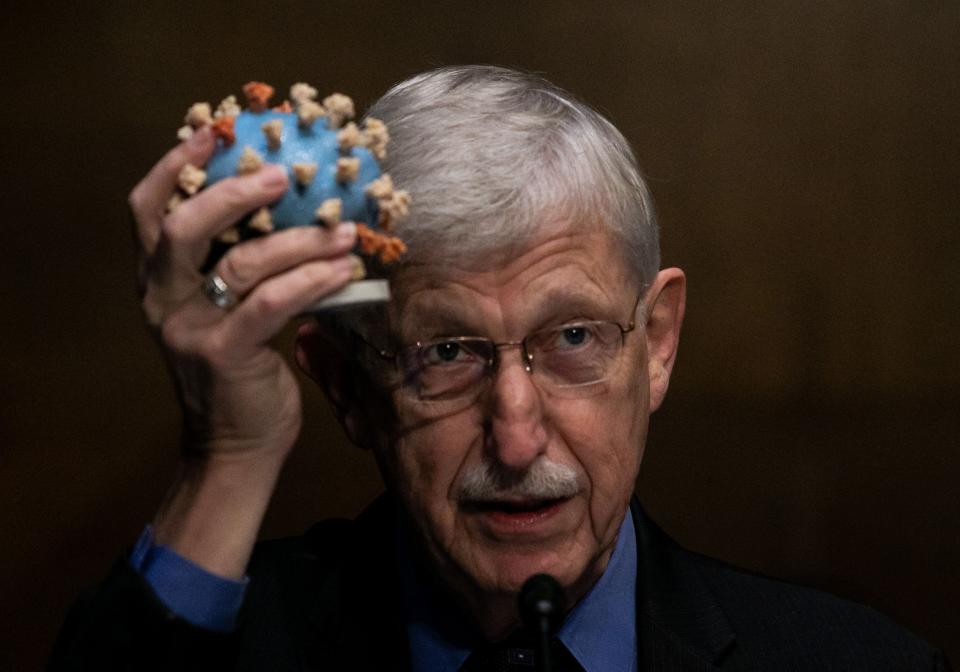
503	570
513	540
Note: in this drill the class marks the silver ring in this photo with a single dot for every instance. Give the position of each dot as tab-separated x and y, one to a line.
215	288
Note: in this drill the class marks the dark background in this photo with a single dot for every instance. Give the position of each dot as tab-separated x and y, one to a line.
806	164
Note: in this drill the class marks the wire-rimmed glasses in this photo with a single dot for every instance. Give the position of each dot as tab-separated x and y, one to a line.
568	360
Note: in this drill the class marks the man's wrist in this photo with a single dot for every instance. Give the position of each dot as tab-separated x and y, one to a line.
213	512
186	589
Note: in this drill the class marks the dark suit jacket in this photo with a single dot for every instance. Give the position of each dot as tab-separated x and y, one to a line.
330	600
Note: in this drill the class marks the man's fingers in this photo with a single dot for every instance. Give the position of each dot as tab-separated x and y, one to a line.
249	263
265	311
228	337
197	220
148	200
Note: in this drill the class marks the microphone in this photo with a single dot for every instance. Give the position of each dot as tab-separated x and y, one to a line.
542	607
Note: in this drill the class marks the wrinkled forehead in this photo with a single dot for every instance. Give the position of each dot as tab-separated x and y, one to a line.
468	246
565	271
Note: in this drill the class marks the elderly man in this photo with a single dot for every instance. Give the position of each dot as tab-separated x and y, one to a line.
504	392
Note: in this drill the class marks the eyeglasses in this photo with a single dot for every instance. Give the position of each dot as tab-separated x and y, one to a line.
569	360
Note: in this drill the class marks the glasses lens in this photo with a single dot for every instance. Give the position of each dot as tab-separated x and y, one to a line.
568	359
445	369
575	355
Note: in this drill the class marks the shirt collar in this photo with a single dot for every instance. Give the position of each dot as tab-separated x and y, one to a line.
600	632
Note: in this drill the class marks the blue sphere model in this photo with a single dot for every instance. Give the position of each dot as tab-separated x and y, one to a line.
332	164
316	144
333	169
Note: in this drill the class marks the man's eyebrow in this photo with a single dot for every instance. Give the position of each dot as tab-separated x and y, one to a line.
440	316
446	316
567	303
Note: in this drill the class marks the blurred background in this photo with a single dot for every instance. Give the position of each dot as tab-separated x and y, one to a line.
806	164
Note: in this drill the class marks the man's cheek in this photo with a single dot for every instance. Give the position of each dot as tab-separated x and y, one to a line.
424	465
583	426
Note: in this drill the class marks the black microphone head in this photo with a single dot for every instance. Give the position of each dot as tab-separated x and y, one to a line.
542	597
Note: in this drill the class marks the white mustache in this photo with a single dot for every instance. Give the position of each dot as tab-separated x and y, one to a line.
544	479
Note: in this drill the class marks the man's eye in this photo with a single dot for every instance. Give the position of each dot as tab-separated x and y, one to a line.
442	353
573	336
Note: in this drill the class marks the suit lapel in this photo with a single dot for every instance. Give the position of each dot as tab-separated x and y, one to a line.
680	624
354	616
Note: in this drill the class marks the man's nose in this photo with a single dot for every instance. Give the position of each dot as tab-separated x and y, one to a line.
517	435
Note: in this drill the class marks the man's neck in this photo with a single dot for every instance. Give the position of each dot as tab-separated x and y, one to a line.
445	625
494	616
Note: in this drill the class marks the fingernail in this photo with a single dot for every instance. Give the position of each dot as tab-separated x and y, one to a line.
272	175
346	231
200	136
345	265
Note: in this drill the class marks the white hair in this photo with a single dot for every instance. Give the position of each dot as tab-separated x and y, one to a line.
491	156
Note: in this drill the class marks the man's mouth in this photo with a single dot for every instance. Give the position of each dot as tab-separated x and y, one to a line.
507	518
512	506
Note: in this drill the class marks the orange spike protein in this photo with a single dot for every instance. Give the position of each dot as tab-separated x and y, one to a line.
258	95
223	129
387	248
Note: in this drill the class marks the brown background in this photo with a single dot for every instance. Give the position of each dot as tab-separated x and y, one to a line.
805	161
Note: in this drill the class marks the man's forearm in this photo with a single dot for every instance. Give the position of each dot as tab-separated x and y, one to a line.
213	512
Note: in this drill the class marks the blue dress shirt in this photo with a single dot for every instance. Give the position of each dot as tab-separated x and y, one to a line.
188	590
600	632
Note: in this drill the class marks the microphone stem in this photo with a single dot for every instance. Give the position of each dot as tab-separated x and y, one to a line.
544	664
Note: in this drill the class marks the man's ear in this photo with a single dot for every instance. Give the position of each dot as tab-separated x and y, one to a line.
335	369
665	303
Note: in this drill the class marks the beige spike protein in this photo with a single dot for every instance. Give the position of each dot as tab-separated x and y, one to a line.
262	221
250	161
191	178
273	130
231	236
339	109
304	172
198	115
301	92
308	111
375	137
329	212
347	169
348	137
228	107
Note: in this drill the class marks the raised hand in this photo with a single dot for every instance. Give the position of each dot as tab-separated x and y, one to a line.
241	403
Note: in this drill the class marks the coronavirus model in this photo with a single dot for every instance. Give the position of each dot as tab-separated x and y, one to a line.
333	166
